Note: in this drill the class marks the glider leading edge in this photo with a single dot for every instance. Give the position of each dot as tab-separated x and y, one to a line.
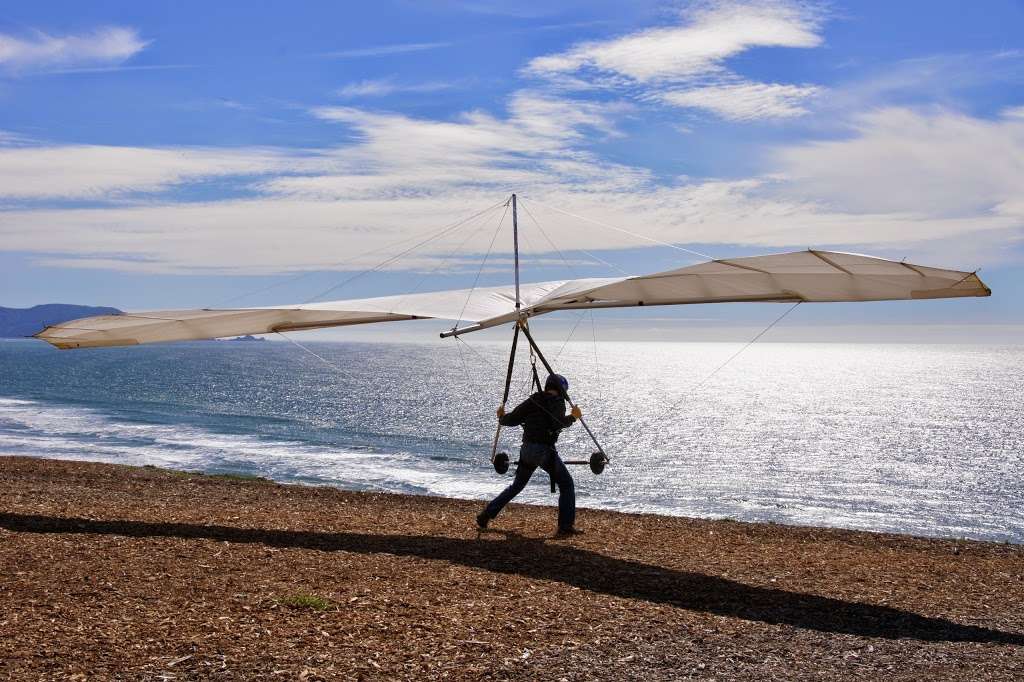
809	276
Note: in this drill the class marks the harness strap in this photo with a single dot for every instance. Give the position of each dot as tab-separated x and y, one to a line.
533	369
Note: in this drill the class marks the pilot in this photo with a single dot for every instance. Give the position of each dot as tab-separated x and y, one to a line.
542	417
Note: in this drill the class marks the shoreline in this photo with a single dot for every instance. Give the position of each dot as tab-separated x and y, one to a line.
136	571
542	502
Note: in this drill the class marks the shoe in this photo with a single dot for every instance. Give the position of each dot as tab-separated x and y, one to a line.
482	519
568	532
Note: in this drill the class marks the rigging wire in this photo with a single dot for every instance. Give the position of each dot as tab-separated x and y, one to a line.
529	376
579	319
531	248
526	237
483	215
533	359
565	260
477	353
624	231
447	259
451	256
315	355
692	389
570	267
480	271
396	257
462	360
722	366
303	275
572	333
583	251
577	274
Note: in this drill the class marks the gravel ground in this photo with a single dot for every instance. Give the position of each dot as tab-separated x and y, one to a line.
115	572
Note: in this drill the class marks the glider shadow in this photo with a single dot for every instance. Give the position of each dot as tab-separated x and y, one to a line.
570	565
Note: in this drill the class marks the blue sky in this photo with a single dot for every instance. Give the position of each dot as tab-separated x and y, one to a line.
182	154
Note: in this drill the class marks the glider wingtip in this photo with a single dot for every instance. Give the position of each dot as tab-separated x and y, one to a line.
59	345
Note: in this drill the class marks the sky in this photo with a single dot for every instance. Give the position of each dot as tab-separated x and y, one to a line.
193	154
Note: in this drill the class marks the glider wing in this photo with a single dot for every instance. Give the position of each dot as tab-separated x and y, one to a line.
812	276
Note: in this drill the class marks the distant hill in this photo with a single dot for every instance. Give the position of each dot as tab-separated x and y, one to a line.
18	323
247	337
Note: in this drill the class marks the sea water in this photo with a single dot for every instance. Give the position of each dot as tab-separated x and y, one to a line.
921	439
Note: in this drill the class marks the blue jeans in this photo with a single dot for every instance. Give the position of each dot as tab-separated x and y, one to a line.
553	465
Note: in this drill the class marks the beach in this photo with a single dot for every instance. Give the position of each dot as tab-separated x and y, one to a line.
118	572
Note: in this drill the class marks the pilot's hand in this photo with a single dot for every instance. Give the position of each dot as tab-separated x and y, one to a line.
501	411
577	412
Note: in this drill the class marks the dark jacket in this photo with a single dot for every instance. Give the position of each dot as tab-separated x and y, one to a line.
542	416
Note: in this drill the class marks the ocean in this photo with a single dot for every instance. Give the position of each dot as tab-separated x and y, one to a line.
920	439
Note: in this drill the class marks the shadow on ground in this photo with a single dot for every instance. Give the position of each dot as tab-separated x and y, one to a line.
585	569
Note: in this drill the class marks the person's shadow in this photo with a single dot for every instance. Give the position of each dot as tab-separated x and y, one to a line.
580	568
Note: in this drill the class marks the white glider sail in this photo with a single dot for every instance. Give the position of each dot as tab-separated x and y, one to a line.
811	276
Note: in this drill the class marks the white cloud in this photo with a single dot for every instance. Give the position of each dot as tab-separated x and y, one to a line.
518	10
947	79
936	185
402	156
746	101
938	163
118	69
396	154
381	87
685	65
714	33
906	182
318	207
382	50
106	45
31	171
7	138
367	88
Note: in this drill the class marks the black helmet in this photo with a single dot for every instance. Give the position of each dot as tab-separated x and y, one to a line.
556	382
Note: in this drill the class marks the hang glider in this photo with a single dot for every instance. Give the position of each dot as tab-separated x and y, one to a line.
803	276
807	276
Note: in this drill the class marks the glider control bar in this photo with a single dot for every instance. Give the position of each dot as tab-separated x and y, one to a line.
550	369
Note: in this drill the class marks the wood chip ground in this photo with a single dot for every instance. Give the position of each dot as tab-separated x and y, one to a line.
115	572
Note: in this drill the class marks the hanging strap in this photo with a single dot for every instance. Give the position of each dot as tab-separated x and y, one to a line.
533	368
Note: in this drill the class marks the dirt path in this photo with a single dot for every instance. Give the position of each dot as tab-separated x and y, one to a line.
112	572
